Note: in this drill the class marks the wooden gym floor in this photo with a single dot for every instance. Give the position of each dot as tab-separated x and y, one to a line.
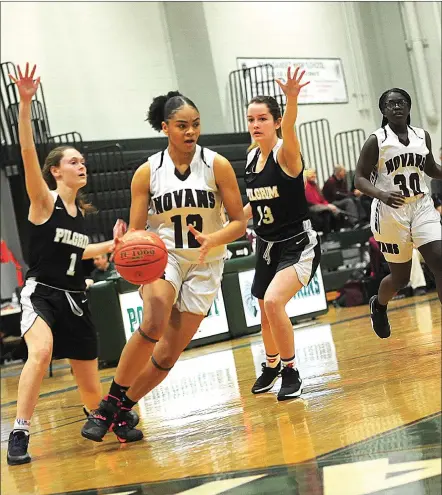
369	420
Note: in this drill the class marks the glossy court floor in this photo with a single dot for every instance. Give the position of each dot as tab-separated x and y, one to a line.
369	421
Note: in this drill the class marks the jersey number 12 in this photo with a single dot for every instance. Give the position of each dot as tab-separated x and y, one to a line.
196	221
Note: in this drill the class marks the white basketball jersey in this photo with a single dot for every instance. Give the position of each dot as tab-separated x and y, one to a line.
401	167
179	200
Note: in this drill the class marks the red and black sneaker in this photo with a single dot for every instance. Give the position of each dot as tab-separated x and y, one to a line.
122	428
99	421
132	417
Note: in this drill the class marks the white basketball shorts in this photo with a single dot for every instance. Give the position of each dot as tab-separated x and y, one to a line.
196	285
399	229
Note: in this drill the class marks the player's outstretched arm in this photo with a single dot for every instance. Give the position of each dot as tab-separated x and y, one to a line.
92	250
248	212
36	187
289	156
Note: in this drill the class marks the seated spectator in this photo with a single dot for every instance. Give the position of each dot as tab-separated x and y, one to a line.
336	191
104	269
324	215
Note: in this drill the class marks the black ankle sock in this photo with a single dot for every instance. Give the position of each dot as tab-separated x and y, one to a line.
380	306
126	402
117	390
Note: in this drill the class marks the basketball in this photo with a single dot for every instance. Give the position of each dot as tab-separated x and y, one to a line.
141	257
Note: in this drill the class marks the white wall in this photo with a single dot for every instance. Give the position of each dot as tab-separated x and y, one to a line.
285	29
429	21
100	63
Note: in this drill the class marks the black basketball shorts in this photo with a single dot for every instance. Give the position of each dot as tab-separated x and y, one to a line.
303	252
67	315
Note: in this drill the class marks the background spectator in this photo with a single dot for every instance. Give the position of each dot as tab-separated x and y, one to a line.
336	191
104	269
323	215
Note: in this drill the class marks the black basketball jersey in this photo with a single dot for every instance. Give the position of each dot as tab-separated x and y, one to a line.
56	249
278	201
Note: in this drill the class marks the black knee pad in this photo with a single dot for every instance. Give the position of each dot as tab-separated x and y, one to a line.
161	368
146	337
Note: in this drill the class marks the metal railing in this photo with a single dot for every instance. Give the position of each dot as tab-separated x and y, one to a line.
348	145
9	95
317	148
245	84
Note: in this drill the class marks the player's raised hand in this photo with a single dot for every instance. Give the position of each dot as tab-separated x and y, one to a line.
292	86
205	241
26	84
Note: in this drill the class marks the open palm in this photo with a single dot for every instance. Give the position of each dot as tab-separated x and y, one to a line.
293	85
27	86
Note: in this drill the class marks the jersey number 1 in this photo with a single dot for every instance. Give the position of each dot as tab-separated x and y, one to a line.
196	221
71	269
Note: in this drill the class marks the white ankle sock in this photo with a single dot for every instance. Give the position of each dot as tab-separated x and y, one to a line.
289	363
22	425
272	361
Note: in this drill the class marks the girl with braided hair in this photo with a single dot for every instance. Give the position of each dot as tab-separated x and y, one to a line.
391	169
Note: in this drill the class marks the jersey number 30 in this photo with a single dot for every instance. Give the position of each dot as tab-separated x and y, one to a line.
196	221
415	186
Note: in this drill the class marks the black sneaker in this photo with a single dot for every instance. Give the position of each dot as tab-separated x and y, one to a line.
268	378
18	448
379	319
291	386
99	421
124	432
132	417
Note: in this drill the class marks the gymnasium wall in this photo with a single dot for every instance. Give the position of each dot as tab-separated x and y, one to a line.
387	39
101	63
287	29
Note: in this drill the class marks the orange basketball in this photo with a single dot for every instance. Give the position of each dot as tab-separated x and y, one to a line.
141	257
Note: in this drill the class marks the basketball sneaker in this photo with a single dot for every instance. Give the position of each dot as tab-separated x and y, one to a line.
124	432
18	448
379	319
267	379
110	417
291	386
132	417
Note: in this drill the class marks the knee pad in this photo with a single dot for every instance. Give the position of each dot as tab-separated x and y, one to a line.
146	337
161	368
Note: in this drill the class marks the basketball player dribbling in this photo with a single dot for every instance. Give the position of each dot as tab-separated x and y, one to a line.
287	249
391	169
55	313
180	192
